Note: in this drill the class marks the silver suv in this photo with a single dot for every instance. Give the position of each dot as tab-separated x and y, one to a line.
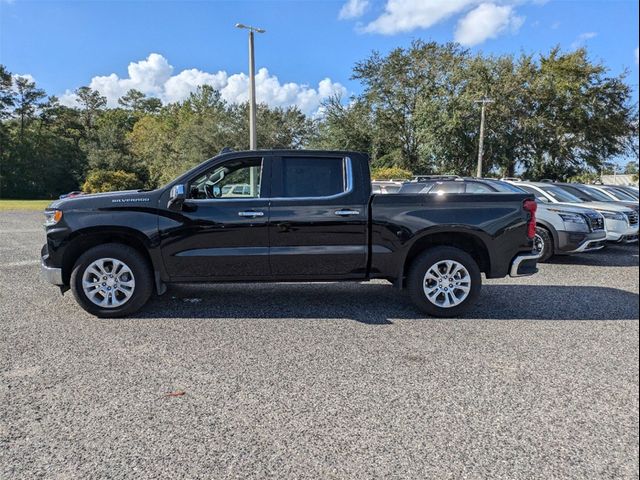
559	230
621	222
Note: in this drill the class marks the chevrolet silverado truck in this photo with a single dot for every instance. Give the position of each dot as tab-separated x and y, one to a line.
301	216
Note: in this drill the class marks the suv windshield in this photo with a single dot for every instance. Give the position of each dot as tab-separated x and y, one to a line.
560	195
597	194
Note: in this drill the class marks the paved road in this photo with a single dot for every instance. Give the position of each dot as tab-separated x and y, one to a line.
321	381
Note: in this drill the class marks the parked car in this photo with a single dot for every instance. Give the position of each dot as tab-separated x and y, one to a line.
621	222
236	190
559	231
313	219
589	193
630	190
75	193
380	186
616	194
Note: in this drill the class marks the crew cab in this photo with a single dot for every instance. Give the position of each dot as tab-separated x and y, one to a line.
308	216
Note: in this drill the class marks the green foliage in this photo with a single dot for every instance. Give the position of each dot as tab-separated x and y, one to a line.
390	173
585	177
631	168
558	115
110	181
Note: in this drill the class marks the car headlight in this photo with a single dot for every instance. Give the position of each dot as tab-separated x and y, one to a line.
573	218
613	215
51	217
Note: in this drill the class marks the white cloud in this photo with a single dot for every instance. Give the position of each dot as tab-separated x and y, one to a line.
495	16
353	9
486	21
26	76
407	15
154	76
582	39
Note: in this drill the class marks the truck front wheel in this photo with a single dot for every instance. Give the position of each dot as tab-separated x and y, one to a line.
444	281
111	280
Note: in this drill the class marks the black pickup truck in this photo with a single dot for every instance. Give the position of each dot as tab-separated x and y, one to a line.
284	216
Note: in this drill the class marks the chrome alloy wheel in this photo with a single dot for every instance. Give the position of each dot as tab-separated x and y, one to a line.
108	282
538	245
447	284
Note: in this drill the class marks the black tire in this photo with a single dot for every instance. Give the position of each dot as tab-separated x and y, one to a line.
133	260
417	276
544	236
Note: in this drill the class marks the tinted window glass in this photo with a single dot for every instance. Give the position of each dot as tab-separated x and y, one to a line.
505	187
416	187
621	195
443	188
312	177
596	194
475	187
539	196
561	195
577	192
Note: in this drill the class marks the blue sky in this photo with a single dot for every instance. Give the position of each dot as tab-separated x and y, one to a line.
309	48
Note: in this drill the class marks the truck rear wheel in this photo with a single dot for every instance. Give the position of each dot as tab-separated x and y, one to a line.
111	280
444	281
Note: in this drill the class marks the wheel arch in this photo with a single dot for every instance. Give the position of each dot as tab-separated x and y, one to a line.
465	241
551	229
86	239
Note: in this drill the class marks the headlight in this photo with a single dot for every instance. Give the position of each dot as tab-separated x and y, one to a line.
572	218
613	215
51	217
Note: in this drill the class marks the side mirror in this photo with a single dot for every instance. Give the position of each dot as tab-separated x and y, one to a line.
176	197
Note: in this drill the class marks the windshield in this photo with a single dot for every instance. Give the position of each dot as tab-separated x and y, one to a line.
596	194
621	195
560	195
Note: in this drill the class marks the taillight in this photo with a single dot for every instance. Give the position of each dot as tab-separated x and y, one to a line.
531	206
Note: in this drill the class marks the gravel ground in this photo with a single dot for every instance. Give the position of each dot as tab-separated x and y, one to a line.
321	380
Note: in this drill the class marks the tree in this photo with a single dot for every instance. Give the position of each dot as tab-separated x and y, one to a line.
91	102
28	98
344	127
631	168
7	95
138	102
390	173
110	181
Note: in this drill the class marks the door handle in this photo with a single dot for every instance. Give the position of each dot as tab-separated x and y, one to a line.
347	213
251	214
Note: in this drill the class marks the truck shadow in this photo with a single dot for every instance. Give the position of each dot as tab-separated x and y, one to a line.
380	304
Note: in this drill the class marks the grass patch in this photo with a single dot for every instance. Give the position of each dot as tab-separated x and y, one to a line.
33	205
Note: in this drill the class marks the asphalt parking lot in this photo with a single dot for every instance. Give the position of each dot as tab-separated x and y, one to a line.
321	380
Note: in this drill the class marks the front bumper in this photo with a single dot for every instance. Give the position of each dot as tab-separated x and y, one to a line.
620	231
524	265
575	242
629	239
50	274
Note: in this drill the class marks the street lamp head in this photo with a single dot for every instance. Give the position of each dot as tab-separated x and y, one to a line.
249	27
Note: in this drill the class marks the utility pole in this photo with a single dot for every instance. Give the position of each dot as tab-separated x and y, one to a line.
253	137
484	103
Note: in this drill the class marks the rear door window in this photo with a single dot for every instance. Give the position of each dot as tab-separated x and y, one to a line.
310	177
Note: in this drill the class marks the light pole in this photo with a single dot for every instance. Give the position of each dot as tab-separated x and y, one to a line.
253	138
484	102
